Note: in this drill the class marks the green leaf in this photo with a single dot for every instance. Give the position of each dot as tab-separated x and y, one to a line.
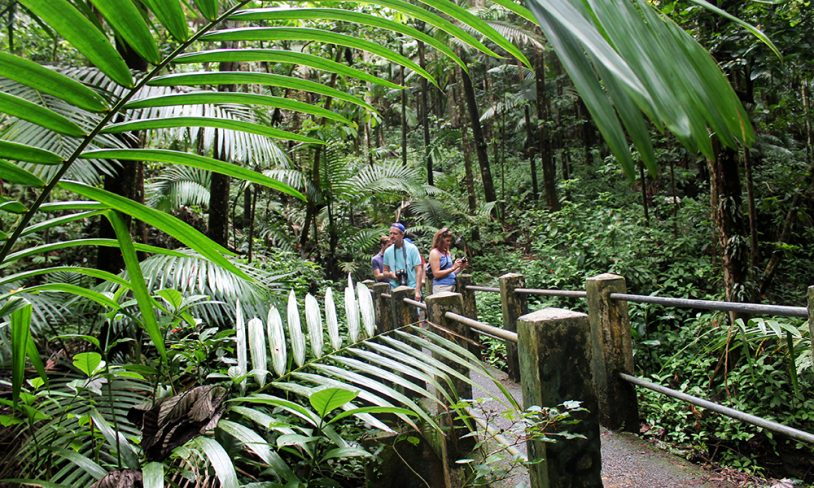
255	443
87	362
171	16
127	22
153	475
220	461
95	296
465	16
347	16
82	462
57	221
115	440
31	154
289	406
306	34
162	221
364	410
518	9
209	8
283	57
194	161
38	115
433	20
20	334
746	25
344	452
90	339
236	77
230	124
49	81
204	98
82	34
12	206
36	360
327	400
11	173
56	246
139	286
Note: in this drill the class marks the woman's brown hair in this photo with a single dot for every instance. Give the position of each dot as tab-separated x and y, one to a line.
439	237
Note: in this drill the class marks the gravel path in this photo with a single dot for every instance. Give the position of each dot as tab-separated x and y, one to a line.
627	460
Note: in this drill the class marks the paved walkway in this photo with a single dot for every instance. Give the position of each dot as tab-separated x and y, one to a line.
627	460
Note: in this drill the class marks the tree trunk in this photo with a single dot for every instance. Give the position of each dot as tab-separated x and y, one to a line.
218	224
546	159
645	205
754	250
128	181
424	114
403	113
477	135
530	152
726	203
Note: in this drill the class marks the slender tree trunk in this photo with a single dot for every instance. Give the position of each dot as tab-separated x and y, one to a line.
128	181
403	113
754	250
546	159
458	116
311	207
424	113
726	203
218	224
252	210
530	152
645	205
477	135
12	12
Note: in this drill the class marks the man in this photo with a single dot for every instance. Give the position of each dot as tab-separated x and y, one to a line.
404	256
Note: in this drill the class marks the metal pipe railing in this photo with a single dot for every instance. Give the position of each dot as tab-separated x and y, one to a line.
387	295
415	303
729	412
552	293
753	308
486	328
491	289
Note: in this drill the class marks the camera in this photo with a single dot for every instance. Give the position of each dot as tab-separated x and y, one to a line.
401	276
464	259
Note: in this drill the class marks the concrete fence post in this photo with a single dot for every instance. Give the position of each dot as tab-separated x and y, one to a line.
382	306
513	306
811	315
555	366
470	308
612	353
438	305
402	313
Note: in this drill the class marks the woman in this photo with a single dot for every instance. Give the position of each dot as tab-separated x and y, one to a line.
441	262
377	261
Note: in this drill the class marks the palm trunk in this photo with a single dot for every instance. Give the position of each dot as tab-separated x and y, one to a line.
403	113
218	223
546	158
530	152
477	135
424	114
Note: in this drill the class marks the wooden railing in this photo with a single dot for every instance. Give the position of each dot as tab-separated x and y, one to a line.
560	355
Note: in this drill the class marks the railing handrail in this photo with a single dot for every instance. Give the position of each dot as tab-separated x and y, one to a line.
483	327
780	310
723	410
415	303
717	305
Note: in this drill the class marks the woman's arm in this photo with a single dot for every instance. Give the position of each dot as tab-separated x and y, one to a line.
435	265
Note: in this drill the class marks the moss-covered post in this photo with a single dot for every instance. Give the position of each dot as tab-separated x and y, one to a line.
438	305
811	315
513	306
613	353
382	306
402	313
470	307
555	367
